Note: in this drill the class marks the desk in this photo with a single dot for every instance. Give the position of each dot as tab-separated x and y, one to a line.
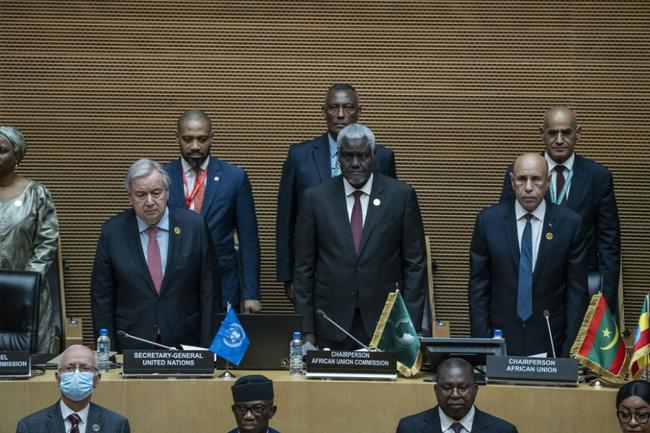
314	406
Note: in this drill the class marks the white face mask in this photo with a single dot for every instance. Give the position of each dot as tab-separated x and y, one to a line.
76	385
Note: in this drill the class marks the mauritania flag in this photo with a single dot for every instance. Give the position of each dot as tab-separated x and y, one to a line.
395	333
599	345
641	350
231	341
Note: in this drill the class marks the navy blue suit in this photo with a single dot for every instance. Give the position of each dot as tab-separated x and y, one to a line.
308	164
50	420
123	296
592	196
227	206
559	280
429	422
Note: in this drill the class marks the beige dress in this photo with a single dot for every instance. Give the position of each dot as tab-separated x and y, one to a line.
29	230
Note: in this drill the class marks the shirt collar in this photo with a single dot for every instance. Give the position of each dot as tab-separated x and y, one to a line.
83	413
162	224
349	189
187	167
333	147
538	213
466	421
568	163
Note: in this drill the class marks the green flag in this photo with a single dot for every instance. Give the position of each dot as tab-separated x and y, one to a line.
395	333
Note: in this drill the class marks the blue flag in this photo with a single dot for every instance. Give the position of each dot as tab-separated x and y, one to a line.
231	341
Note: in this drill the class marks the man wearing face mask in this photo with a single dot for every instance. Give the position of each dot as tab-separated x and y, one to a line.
76	376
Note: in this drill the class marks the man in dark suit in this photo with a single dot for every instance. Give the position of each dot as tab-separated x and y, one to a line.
312	162
253	404
455	391
527	257
586	187
76	377
359	236
155	275
222	194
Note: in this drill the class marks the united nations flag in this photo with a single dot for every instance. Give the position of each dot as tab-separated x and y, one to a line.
395	333
231	341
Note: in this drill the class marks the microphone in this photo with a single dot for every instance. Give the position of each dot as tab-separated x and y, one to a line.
550	334
133	337
322	314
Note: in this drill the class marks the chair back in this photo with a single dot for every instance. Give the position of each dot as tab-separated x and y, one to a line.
19	300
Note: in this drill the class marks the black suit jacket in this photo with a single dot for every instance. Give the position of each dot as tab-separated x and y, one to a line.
331	276
592	196
307	165
559	280
429	422
50	420
123	296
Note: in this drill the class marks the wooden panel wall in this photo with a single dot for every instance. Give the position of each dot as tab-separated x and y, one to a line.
456	89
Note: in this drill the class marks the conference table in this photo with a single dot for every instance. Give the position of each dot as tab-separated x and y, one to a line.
172	405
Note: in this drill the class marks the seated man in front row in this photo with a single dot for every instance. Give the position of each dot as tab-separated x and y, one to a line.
253	404
74	413
455	391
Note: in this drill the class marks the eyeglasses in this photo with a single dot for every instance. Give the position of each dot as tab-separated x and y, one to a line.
460	389
256	409
81	368
626	417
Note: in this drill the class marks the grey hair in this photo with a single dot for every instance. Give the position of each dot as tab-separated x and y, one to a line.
16	139
143	168
356	131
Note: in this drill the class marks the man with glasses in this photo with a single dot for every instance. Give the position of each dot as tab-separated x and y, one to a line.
76	377
312	162
455	391
587	187
253	404
527	261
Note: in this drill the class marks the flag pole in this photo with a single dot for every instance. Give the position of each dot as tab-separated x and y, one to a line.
227	374
647	298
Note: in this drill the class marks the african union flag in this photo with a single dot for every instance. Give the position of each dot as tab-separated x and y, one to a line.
395	333
599	345
639	361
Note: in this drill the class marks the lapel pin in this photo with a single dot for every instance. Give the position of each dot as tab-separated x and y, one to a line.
216	178
96	427
376	202
18	203
549	236
177	230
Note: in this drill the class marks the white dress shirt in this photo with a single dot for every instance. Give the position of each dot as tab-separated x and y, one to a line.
536	225
364	198
189	174
83	414
467	421
569	169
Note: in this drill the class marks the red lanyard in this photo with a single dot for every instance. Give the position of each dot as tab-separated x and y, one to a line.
198	181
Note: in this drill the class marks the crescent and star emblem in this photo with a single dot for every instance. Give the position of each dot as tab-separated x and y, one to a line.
614	339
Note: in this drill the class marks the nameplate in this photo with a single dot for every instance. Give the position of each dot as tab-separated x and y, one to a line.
351	365
532	371
15	364
176	363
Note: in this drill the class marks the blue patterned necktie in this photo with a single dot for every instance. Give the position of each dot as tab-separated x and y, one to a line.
525	284
457	427
337	169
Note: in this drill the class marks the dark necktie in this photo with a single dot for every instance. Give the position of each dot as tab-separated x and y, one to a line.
457	427
154	261
559	183
525	284
74	420
356	220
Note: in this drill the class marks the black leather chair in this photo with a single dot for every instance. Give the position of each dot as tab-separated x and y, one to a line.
19	298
